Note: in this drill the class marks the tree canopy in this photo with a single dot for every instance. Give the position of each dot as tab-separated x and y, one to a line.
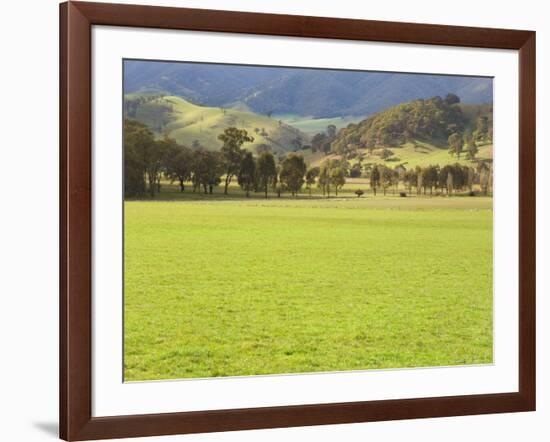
266	171
293	169
427	119
231	151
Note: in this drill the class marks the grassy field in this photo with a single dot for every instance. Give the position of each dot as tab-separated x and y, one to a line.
313	126
424	155
223	287
187	122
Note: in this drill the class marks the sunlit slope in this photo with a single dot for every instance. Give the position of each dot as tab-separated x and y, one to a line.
188	122
423	155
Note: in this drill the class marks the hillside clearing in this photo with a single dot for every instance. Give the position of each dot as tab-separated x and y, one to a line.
188	122
424	154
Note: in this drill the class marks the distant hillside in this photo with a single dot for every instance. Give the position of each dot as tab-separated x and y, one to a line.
318	93
321	93
189	123
431	120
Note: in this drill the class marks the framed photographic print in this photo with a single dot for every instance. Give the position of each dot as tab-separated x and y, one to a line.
272	220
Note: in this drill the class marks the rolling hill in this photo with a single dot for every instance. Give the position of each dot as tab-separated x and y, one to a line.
431	121
415	133
189	123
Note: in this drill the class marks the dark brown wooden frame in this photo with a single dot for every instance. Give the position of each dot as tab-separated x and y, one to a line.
76	421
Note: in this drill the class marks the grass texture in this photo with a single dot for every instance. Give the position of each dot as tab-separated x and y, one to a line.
248	287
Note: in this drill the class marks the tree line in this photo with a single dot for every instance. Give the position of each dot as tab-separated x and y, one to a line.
448	179
149	160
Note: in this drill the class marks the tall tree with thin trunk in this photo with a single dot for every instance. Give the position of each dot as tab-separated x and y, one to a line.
206	170
324	178
293	169
266	171
471	148
231	151
337	178
374	178
247	173
311	176
456	143
177	163
138	140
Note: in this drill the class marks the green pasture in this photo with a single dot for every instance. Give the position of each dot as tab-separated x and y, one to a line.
187	122
424	154
231	286
311	125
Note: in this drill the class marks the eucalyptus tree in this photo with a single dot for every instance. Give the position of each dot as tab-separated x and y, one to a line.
456	144
374	178
231	152
324	178
311	176
207	169
386	178
138	140
247	173
471	148
337	178
293	169
178	161
266	171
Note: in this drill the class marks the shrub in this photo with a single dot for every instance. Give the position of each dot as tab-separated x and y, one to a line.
359	193
402	194
355	171
386	154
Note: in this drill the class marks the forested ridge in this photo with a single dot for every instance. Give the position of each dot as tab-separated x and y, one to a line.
307	92
432	120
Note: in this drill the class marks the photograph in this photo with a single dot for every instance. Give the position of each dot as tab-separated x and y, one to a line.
275	221
293	220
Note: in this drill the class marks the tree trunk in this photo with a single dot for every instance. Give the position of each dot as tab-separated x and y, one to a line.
227	181
265	191
151	186
211	189
182	187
